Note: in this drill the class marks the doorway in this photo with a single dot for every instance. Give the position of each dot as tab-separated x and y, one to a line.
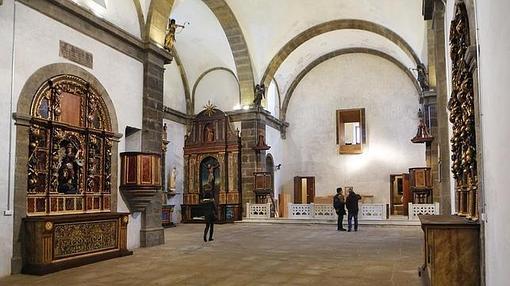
399	194
304	190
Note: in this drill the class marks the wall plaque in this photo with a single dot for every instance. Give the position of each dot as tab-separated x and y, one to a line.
76	54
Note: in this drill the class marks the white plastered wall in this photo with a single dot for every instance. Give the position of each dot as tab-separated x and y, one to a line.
391	104
274	139
220	87
175	158
173	88
6	195
493	63
121	13
37	45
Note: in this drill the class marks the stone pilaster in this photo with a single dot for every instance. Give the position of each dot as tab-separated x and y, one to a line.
442	136
151	232
251	161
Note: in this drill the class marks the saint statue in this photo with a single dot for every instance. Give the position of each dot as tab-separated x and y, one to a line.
68	170
422	77
171	179
209	134
170	34
260	93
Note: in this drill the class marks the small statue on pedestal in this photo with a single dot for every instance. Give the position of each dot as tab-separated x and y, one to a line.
260	93
422	77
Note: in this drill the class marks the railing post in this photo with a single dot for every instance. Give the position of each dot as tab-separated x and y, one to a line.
436	208
410	211
312	210
289	210
268	208
248	211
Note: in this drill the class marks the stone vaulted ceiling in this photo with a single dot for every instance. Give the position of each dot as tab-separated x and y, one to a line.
273	41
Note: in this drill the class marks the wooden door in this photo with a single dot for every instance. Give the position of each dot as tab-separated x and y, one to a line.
407	193
297	190
310	190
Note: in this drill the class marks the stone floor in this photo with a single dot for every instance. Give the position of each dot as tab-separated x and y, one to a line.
256	254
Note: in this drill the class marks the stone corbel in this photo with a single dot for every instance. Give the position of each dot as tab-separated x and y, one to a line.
21	118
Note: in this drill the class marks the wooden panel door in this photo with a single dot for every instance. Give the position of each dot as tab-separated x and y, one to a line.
310	190
407	193
297	190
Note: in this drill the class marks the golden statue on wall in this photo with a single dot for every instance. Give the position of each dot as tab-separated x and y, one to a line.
170	34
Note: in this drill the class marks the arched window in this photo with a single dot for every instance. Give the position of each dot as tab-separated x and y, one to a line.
70	148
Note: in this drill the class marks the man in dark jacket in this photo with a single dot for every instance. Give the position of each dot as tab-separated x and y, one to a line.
210	214
339	205
352	207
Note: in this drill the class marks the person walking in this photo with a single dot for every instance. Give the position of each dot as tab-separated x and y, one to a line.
352	208
339	205
209	209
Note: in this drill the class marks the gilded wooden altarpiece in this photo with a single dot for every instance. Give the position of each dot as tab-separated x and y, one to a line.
212	155
68	202
69	166
462	117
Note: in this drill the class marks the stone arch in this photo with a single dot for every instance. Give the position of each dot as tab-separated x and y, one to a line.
155	29
22	121
352	24
238	46
204	74
157	20
328	56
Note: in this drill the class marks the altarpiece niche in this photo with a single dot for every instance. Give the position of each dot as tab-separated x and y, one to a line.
68	198
69	166
212	153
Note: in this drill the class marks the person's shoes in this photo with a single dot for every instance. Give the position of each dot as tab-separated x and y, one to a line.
205	239
355	230
349	230
211	239
342	229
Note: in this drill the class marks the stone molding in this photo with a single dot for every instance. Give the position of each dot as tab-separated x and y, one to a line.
85	22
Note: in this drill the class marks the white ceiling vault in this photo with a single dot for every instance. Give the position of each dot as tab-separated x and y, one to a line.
268	25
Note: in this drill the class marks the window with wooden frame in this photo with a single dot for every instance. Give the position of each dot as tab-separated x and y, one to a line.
351	130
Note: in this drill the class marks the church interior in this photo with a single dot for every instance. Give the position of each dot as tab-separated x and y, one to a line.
123	119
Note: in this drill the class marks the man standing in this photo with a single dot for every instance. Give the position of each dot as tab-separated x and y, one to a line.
352	207
339	205
210	214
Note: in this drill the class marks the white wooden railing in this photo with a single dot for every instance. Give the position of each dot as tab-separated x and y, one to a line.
326	211
258	210
372	212
422	209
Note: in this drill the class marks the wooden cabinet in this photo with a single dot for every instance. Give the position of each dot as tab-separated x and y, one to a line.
57	242
304	190
452	251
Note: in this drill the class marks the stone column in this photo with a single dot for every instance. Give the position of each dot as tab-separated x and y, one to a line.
151	232
443	140
251	161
